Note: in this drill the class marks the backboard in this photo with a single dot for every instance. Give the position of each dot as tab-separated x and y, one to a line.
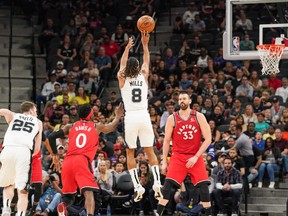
269	24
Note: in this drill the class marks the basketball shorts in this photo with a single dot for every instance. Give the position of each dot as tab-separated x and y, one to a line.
16	163
177	170
77	173
138	123
36	169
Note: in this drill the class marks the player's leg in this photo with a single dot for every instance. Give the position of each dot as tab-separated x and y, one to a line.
37	195
199	178
146	136
89	202
8	194
22	202
130	137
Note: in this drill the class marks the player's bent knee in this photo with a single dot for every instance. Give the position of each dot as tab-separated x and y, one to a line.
204	191
166	189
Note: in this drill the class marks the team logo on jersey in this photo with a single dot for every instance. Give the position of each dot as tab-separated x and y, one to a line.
187	127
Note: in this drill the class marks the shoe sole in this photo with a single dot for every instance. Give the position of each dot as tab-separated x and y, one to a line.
61	210
6	214
138	196
158	194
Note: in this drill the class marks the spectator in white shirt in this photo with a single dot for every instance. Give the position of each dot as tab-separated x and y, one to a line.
283	91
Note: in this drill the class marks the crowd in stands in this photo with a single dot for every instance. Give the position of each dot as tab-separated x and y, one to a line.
247	114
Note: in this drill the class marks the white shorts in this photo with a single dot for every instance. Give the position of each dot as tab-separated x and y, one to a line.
15	167
138	123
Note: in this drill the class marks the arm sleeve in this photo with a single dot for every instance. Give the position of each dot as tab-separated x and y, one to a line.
52	139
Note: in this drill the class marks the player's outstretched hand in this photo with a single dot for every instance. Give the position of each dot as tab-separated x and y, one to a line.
130	43
145	37
119	110
55	163
191	161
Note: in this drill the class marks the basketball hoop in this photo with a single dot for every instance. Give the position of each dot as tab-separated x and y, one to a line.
270	55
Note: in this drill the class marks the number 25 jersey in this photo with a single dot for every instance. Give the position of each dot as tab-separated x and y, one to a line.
83	139
134	93
21	131
186	136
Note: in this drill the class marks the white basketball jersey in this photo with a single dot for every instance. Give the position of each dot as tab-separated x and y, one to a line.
21	131
134	93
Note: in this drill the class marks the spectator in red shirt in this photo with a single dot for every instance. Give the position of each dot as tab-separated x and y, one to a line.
111	48
274	82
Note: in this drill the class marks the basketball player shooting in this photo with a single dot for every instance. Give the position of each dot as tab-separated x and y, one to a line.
133	83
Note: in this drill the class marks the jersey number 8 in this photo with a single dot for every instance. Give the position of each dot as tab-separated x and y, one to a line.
136	95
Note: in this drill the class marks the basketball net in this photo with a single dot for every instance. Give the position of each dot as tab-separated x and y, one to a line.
270	55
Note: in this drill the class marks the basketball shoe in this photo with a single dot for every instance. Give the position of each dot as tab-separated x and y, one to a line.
62	209
6	211
157	189
138	193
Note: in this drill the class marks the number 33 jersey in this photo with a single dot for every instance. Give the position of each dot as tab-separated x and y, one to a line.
21	131
83	139
134	93
186	136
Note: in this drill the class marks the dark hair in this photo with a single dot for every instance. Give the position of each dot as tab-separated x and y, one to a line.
84	111
184	92
26	106
239	127
132	67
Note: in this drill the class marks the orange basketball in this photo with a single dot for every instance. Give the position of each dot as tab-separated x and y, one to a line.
146	23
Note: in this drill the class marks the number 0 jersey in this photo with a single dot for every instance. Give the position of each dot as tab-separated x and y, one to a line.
134	93
21	131
83	139
186	136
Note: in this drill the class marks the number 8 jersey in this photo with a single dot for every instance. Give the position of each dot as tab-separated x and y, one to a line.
134	93
83	139
21	131
186	137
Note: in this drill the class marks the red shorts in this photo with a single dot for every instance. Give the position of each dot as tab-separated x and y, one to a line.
177	170
36	169
77	173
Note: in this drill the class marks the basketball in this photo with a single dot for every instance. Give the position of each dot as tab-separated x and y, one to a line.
146	23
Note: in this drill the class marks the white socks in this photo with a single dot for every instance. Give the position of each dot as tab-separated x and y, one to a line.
6	203
156	174
134	176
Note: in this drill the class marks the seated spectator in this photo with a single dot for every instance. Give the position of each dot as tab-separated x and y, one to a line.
236	109
120	37
104	64
270	158
88	84
209	90
60	97
254	81
229	183
179	27
229	71
244	89
154	117
169	110
170	59
119	170
48	32
112	49
265	87
197	25
217	116
202	61
282	144
243	24
55	118
276	110
247	44
196	46
51	197
257	105
189	15
67	52
284	118
104	178
60	71
269	133
249	115
69	29
81	96
258	141
89	45
184	82
73	117
261	125
80	37
240	121
237	161
218	60
274	81
283	91
207	108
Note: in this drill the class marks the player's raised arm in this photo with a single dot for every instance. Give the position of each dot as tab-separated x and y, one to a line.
107	128
8	115
124	58
146	55
58	134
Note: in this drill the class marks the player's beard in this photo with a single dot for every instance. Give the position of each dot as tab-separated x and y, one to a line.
183	106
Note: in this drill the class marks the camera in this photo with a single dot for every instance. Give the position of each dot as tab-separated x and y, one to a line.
52	178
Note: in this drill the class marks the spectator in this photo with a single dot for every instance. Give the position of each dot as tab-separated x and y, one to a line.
270	133
167	94
88	84
237	161
274	81
184	82
284	118
51	196
81	96
229	183
215	132
154	117
60	71
254	81
202	61
93	71
283	146
283	91
104	178
249	115
257	105
196	46
48	32
243	24
236	109
244	89
67	52
57	91
80	37
247	44
170	109
197	25
207	109
261	125
265	87
189	15
258	142
170	60
240	121
209	90
60	97
47	89
120	37
70	29
112	49
270	158
179	27
217	116
104	64
276	110
88	45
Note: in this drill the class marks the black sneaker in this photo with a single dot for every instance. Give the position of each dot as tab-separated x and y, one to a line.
127	204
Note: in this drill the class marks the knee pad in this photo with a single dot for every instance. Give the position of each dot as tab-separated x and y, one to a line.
166	189
37	192
204	191
68	199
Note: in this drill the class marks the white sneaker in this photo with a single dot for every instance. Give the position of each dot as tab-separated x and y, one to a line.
141	213
138	193
260	184
6	211
234	214
158	193
250	185
271	185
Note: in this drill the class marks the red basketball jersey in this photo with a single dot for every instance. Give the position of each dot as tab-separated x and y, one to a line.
186	136
83	139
